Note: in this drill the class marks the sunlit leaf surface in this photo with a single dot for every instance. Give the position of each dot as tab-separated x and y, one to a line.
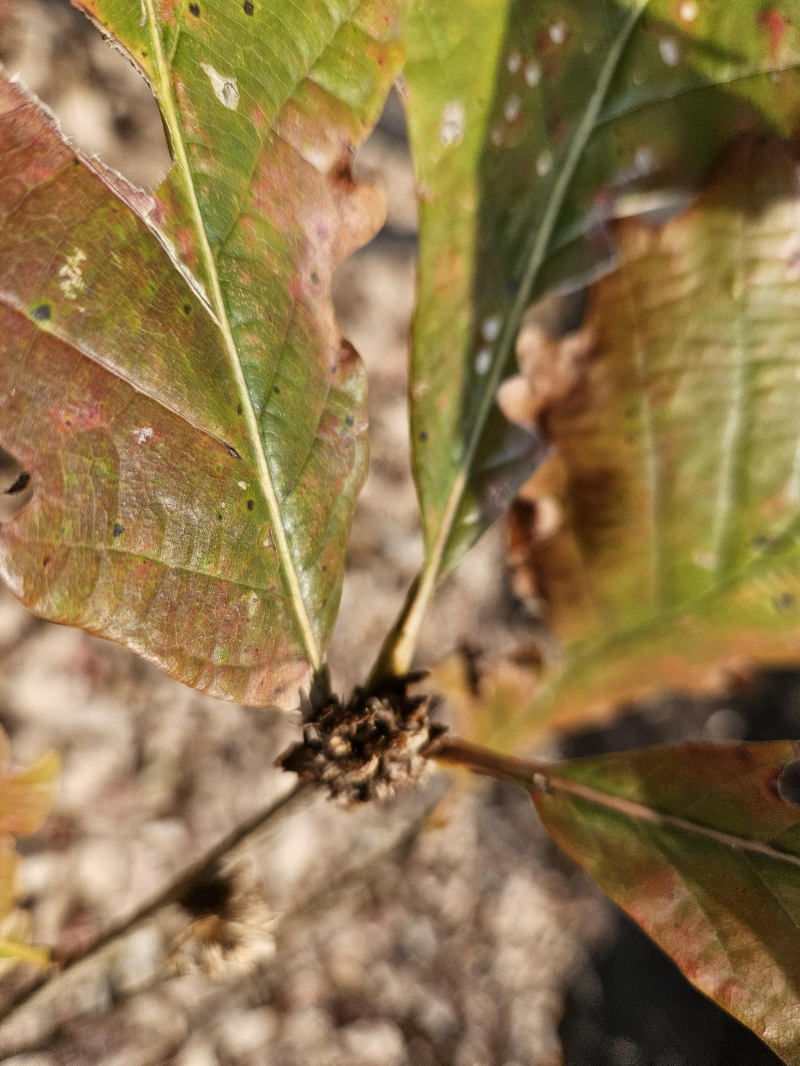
671	551
171	376
701	846
531	125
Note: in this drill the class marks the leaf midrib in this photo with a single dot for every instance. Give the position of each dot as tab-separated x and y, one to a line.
537	257
172	118
397	653
641	812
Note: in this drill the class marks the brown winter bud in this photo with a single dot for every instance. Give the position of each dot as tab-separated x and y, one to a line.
368	747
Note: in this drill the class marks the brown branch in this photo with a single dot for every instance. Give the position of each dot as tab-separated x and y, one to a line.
173	892
318	901
445	749
480	760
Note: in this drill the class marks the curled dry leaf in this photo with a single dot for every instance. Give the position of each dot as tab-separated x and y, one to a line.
661	533
550	370
532	125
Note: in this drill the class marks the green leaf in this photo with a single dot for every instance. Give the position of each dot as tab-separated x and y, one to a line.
700	844
531	125
171	375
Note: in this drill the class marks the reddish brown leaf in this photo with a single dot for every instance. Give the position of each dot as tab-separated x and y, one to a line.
172	377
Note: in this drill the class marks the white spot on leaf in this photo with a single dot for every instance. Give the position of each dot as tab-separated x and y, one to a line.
544	163
688	11
225	89
514	61
491	328
511	110
242	484
669	50
558	33
71	274
644	161
533	74
144	434
453	120
483	360
705	560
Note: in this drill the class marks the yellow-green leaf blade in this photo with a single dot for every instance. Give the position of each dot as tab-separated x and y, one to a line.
264	104
587	107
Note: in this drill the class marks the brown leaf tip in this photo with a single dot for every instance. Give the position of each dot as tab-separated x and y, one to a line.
367	748
231	927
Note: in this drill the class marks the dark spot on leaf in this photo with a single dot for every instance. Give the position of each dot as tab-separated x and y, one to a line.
76	162
324	569
784	602
276	388
315	277
187	309
46	560
118	530
232	451
144	54
42	313
761	543
20	484
67	422
250	505
248	7
789	783
349	420
195	10
423	436
239	409
219	516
